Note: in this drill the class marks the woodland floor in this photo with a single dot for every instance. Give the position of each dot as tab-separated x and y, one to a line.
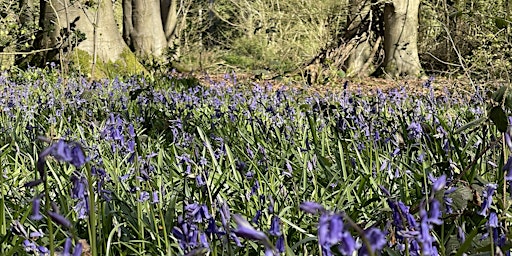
369	86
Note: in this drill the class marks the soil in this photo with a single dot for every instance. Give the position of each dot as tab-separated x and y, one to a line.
366	86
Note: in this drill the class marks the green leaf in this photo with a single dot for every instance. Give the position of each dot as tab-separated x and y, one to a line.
497	96
471	124
499	118
467	243
460	198
508	102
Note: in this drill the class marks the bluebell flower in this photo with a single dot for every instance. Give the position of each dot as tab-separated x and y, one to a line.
212	228
29	246
280	244
461	236
377	240
245	230
36	205
143	196
59	219
487	198
186	234
274	226
42	250
65	152
425	237
256	217
312	207
414	130
197	212
435	213
439	183
493	220
155	197
78	249
67	247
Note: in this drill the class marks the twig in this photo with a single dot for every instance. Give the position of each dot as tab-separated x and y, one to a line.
29	52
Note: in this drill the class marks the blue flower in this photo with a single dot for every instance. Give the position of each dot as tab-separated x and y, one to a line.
312	207
377	240
439	183
415	130
59	219
274	226
245	230
36	205
487	195
280	244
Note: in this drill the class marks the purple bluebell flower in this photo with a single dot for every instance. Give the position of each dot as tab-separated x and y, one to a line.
59	219
82	208
212	228
42	250
200	181
461	236
65	152
331	231
78	249
415	130
493	220
155	197
435	213
245	230
274	226
29	246
78	190
186	233
36	234
487	195
312	207
204	241
256	217
376	239
36	205
280	244
67	247
143	196
425	237
197	212
439	183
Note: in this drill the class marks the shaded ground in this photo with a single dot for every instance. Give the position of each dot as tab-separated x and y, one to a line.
367	86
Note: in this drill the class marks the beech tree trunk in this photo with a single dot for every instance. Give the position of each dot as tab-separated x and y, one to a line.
150	26
401	38
147	37
361	35
68	25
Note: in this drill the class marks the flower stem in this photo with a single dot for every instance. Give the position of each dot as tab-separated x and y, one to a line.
49	221
92	214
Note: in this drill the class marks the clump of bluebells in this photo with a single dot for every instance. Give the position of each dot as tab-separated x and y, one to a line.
225	169
67	152
334	231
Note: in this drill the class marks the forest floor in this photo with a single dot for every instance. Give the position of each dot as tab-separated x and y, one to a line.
367	86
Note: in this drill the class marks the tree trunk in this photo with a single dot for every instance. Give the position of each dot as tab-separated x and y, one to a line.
401	37
147	37
71	25
361	33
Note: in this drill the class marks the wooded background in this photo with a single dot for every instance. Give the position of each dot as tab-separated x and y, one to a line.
350	38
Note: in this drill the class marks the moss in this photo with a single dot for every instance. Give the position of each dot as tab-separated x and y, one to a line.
126	65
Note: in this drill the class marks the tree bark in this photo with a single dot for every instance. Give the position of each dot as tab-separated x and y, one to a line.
361	34
64	20
147	37
401	38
